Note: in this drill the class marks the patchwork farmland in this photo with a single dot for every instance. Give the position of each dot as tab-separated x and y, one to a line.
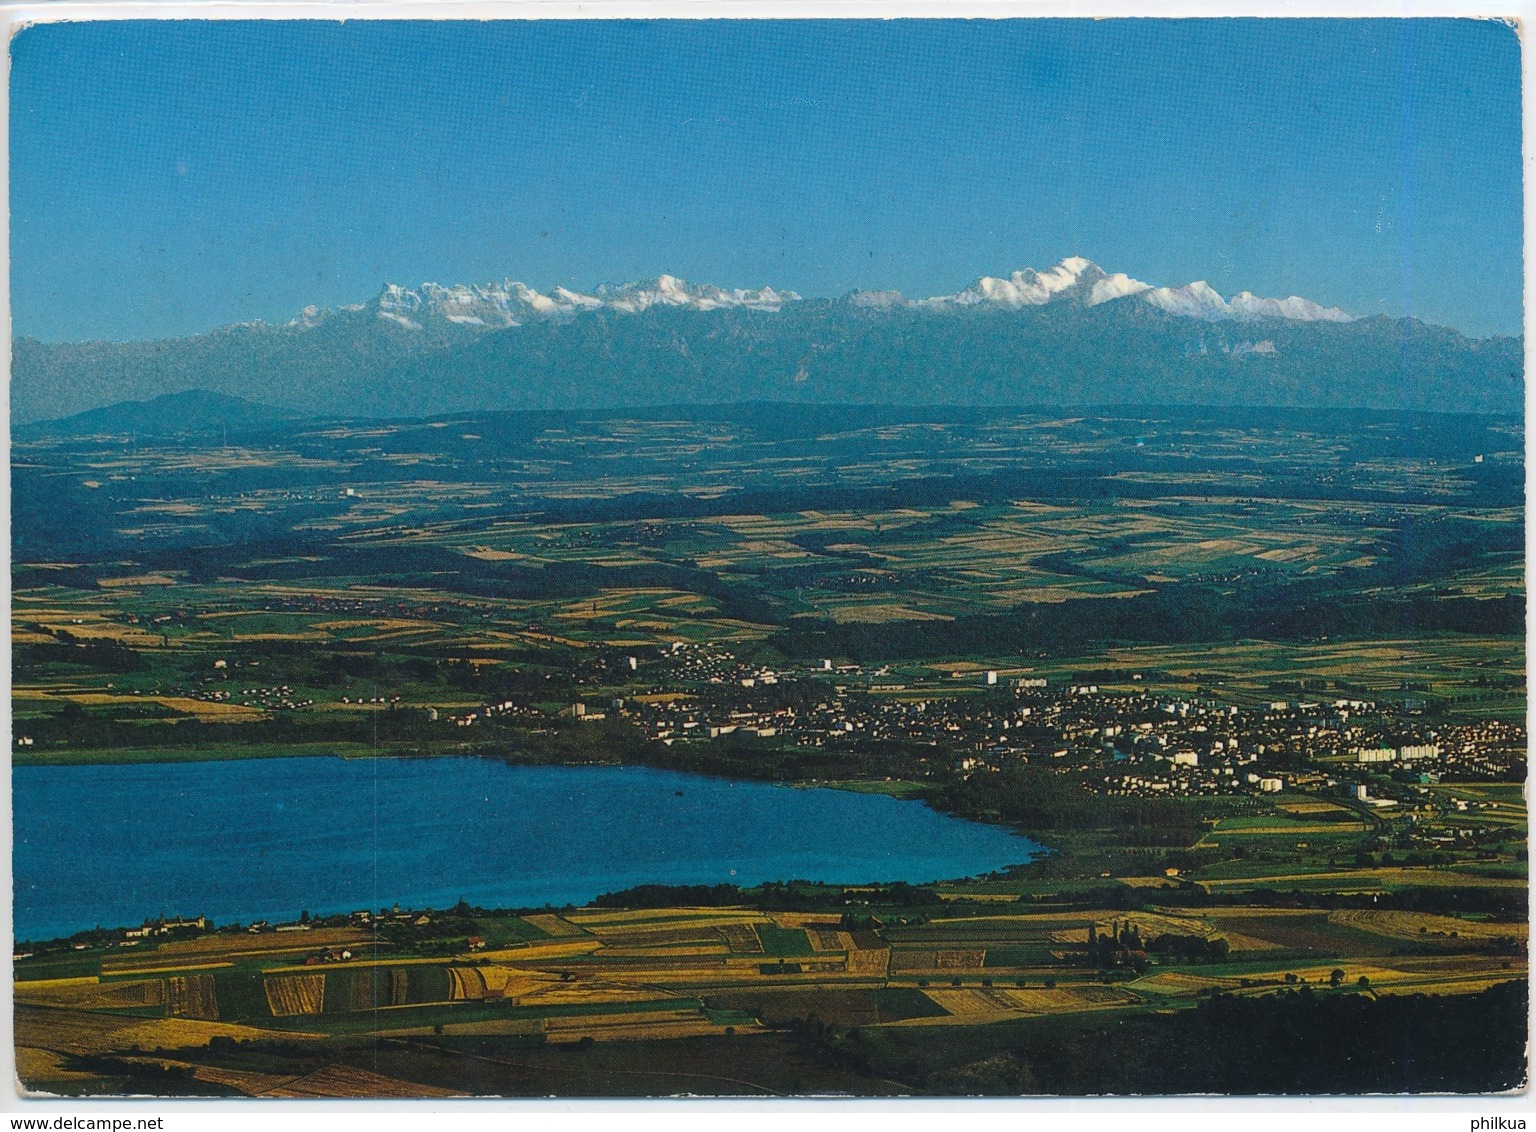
1257	680
681	973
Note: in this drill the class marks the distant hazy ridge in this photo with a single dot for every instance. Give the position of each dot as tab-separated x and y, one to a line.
1070	335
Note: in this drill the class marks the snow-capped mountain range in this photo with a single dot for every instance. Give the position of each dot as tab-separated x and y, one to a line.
1089	284
1075	279
1070	335
497	306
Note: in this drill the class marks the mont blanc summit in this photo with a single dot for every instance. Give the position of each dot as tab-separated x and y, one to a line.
1085	282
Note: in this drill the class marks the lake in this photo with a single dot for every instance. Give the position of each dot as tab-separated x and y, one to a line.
244	840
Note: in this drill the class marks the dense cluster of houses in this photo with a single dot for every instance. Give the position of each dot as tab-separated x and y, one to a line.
1137	742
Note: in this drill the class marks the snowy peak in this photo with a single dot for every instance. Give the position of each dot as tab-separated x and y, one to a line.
1075	280
1074	276
1082	280
1295	307
1193	300
1200	300
1116	286
494	306
670	291
510	303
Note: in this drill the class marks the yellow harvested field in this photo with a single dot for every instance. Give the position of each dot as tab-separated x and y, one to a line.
1042	919
37	985
107	631
1380	977
1237	941
1367	880
1072	935
583	1021
474	983
68	1030
207	712
698	924
1352	972
202	709
878	612
465	983
1464	964
37	1066
660	934
634	1026
986	1004
552	925
1289	554
290	995
146	992
240	944
972	1004
91	994
490	554
911	959
393	624
509	982
645	1031
84	1031
1179	982
797	919
1148	924
538	951
1418	925
712	948
1062	1000
586	994
33	693
192	996
136	580
828	939
586	918
873	963
249	1082
1310	806
345	1081
1153	923
741	938
180	968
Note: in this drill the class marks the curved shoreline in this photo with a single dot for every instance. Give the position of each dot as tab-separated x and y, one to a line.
319	837
498	751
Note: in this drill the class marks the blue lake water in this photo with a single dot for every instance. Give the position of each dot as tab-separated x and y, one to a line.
266	838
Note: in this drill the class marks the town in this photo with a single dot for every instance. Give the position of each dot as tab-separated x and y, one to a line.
1148	743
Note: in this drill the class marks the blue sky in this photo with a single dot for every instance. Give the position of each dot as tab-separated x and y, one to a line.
169	177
